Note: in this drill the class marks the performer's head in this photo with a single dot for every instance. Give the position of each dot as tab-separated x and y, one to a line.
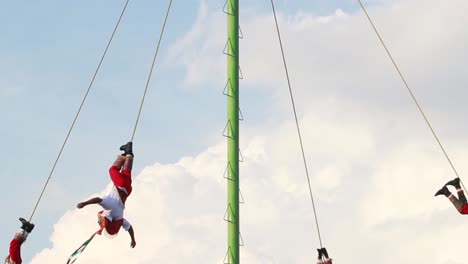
110	228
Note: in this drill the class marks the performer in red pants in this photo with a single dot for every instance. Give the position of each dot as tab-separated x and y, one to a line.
14	256
111	219
323	257
461	203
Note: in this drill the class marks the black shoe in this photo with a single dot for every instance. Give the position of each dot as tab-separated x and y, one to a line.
443	191
127	149
325	253
26	226
455	183
319	253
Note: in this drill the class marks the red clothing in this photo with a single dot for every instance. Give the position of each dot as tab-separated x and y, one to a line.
121	180
464	209
112	227
15	251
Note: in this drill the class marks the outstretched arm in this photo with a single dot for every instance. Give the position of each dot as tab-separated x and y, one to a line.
132	236
95	200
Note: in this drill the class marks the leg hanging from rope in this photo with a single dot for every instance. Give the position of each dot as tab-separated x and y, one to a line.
460	203
14	256
323	257
121	171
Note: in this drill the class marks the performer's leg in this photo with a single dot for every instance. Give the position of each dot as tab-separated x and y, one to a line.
18	240
445	191
114	171
15	247
461	202
26	226
123	179
124	163
128	153
461	196
127	149
456	183
325	253
128	165
457	203
126	182
118	163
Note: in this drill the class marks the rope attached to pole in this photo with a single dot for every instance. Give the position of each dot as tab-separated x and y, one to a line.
151	69
410	91
79	111
297	125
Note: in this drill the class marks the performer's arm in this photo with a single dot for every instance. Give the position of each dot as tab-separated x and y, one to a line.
127	226
132	236
95	200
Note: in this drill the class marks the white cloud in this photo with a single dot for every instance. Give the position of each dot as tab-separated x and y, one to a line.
177	209
191	49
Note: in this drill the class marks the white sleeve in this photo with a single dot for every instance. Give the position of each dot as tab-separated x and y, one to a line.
126	225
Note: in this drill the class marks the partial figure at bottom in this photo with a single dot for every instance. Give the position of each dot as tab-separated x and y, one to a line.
460	203
14	256
323	257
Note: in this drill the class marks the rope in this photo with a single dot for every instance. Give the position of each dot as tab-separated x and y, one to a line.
410	92
297	125
74	256
79	110
151	70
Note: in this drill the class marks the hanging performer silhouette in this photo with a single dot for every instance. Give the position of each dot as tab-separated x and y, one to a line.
112	217
323	256
14	256
461	203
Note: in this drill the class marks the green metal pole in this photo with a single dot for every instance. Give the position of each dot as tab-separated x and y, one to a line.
233	125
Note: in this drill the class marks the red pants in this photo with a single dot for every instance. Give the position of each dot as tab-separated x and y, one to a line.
464	209
121	179
15	251
461	203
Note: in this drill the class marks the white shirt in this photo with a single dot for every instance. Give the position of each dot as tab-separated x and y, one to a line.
114	208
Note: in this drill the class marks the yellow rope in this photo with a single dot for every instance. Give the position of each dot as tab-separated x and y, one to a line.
79	110
293	104
151	69
410	92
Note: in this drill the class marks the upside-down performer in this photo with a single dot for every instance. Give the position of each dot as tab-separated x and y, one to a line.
323	257
111	219
460	203
14	256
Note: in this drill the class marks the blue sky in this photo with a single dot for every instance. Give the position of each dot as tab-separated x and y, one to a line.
49	50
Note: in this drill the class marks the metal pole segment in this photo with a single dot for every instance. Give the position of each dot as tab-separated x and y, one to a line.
233	119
